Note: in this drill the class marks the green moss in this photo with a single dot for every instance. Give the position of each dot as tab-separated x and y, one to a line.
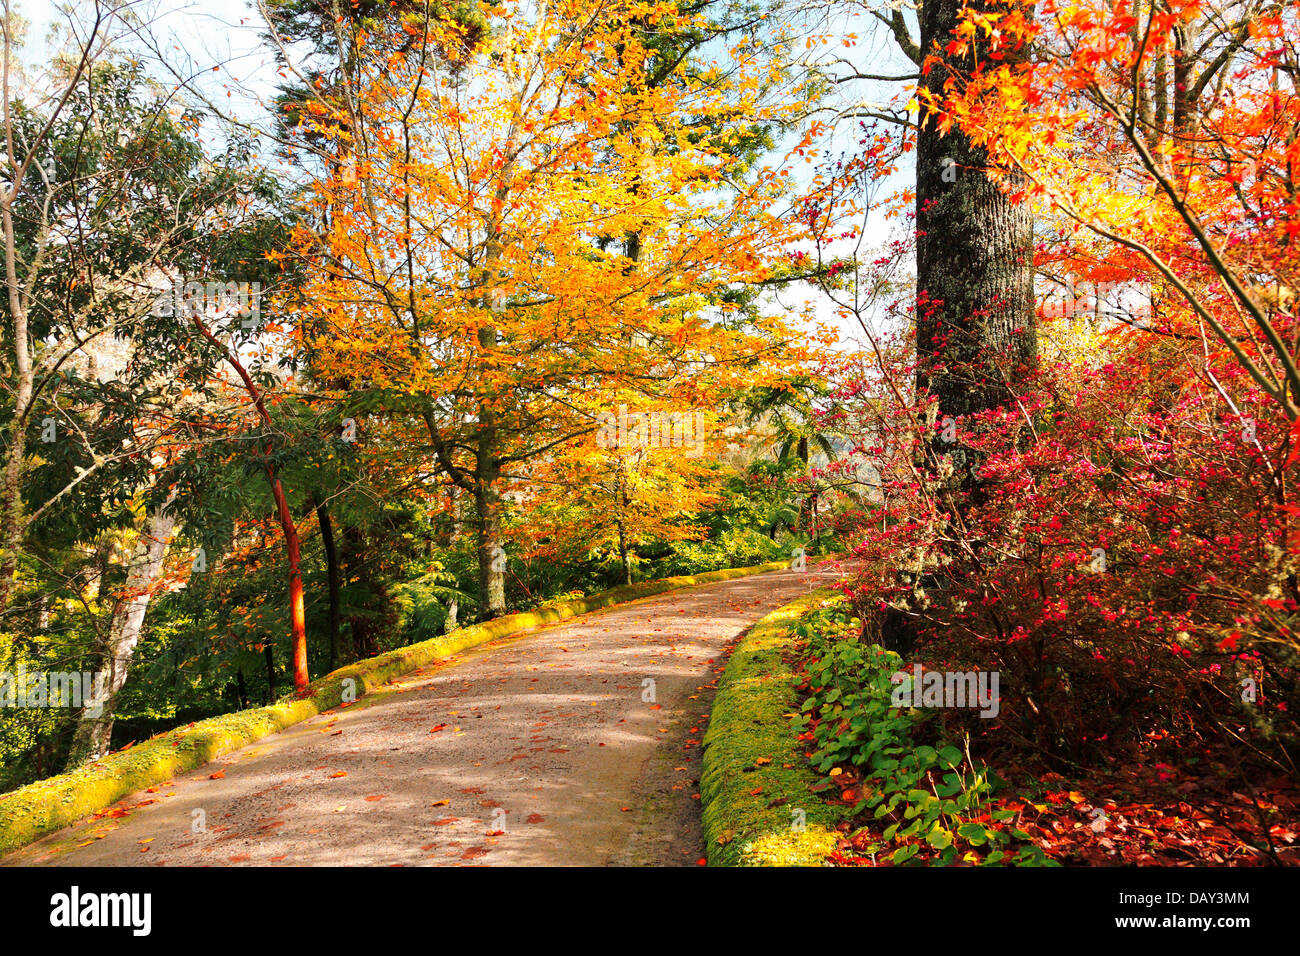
751	723
32	811
788	848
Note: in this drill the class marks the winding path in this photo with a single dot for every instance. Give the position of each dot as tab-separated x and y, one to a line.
538	749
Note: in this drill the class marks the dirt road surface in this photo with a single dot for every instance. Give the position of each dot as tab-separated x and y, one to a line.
575	744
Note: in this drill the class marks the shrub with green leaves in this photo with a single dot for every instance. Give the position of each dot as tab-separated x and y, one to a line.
922	795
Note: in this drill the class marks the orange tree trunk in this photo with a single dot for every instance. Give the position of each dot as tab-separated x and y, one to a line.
297	610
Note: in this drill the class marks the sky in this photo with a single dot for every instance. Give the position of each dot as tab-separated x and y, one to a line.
219	42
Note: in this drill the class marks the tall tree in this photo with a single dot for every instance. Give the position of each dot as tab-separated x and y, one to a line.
467	264
975	316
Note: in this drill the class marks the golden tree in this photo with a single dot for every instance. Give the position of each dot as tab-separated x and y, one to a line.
528	222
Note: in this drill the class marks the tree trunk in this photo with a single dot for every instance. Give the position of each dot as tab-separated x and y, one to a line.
94	730
332	575
623	553
975	319
809	502
453	492
268	651
11	514
23	385
975	322
297	607
491	554
367	598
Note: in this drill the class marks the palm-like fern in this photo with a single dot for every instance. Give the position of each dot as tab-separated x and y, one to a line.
788	408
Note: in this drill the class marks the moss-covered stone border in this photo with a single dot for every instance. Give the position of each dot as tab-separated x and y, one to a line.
30	812
751	723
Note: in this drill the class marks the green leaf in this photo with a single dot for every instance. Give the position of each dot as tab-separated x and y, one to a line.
903	854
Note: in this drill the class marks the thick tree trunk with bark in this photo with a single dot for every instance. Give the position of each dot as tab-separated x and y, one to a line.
975	319
94	730
491	553
487	499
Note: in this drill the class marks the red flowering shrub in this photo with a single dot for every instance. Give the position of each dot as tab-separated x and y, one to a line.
1126	557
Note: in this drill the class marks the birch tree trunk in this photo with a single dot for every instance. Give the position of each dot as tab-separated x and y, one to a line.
95	725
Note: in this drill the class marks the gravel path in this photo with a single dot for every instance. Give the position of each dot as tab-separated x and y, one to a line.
576	744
